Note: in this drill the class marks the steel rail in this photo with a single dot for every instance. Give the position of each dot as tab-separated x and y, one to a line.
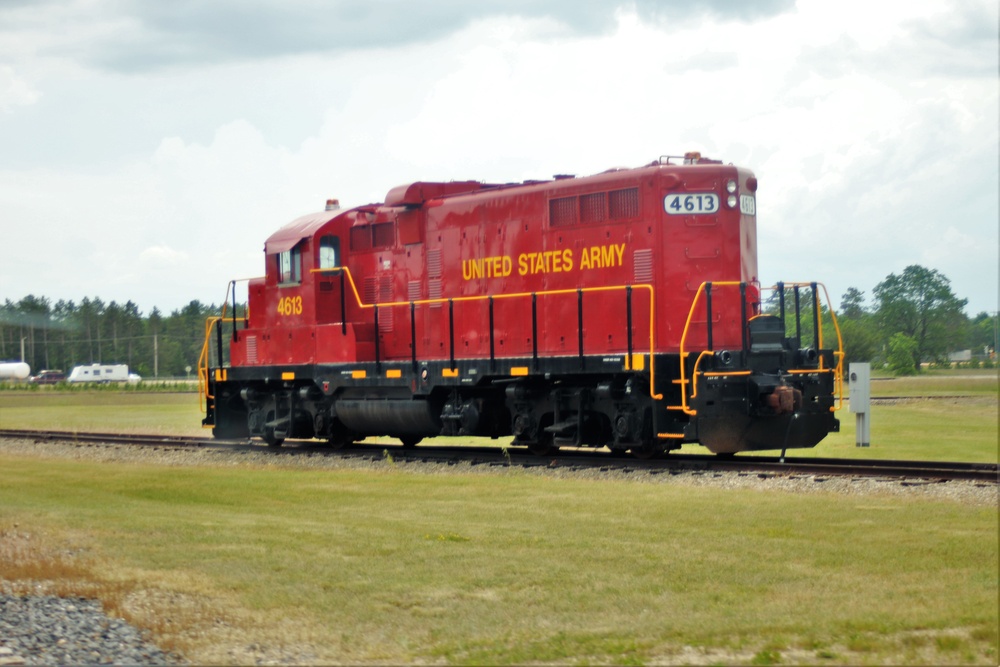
934	470
114	438
578	458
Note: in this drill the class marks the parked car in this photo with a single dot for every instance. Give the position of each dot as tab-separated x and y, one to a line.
48	377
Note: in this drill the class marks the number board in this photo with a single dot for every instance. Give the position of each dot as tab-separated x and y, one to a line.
697	203
290	305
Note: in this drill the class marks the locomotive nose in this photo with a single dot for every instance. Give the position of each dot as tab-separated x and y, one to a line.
766	413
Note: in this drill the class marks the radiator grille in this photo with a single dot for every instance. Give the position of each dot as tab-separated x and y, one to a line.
592	207
562	212
361	238
623	203
383	235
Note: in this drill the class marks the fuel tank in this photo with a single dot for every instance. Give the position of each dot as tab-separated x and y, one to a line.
393	417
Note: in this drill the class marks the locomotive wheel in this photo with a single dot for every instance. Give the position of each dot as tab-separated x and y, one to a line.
542	446
339	443
271	439
228	433
339	436
410	441
644	452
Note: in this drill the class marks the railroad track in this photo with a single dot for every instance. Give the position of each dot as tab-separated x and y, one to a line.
116	438
912	471
935	397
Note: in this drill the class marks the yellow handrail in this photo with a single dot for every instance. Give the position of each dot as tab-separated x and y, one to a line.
203	357
203	362
683	354
837	370
512	295
838	354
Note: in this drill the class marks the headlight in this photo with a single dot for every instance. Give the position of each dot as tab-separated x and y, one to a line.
731	187
731	200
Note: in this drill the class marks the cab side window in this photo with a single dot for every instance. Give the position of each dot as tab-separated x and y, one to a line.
290	266
329	252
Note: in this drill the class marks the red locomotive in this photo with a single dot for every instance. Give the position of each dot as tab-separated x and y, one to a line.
619	310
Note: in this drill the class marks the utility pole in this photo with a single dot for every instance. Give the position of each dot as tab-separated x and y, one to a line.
996	334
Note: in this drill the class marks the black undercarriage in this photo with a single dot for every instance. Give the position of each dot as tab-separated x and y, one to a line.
769	396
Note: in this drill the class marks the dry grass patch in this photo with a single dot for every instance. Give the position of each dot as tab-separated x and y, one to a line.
181	612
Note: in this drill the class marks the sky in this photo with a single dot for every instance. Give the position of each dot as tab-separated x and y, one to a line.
148	149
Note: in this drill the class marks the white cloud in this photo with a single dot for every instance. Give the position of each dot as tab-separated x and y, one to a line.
875	140
15	91
164	256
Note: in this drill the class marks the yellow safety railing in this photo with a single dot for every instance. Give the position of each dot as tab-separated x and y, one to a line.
687	396
513	295
203	394
210	323
684	381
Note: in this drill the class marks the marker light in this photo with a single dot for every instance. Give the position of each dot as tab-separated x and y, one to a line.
731	201
731	187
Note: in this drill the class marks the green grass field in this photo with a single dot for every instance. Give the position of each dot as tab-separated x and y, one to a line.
395	566
398	567
103	412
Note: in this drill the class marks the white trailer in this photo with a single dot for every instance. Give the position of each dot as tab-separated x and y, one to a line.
99	373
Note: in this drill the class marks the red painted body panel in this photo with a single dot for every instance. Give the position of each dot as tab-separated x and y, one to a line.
466	241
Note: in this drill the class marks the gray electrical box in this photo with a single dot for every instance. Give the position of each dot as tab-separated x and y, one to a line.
859	378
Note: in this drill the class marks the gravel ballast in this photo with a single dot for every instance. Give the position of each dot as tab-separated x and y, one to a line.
49	630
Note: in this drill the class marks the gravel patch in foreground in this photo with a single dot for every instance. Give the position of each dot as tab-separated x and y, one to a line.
49	630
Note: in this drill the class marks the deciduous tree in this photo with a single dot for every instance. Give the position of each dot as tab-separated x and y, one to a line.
920	304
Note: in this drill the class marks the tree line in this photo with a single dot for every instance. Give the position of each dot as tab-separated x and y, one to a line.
64	334
913	318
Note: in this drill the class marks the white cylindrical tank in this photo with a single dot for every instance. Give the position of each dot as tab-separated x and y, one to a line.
14	370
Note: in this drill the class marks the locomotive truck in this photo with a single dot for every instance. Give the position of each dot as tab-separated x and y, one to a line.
618	310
